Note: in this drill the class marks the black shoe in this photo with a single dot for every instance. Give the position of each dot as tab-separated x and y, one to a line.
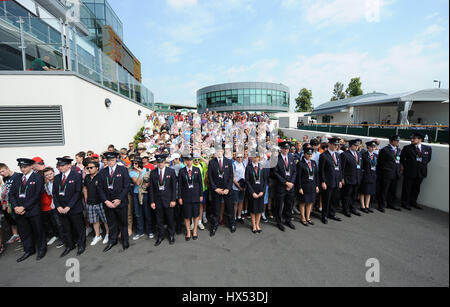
346	214
281	227
187	238
254	231
335	218
212	232
290	225
126	246
395	208
241	220
109	246
67	251
310	223
354	212
25	256
417	207
81	250
195	238
159	241
41	255
233	229
382	210
370	210
172	240
304	223
259	231
406	207
325	220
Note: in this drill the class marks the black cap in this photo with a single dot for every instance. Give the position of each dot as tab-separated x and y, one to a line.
356	142
188	157
418	135
371	144
334	141
111	154
161	158
63	161
285	145
308	151
25	162
394	138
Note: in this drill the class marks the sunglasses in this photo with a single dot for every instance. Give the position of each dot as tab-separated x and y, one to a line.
91	167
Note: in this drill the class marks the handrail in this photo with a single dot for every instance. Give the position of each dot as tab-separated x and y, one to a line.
375	125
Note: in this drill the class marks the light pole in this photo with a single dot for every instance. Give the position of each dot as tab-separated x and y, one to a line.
438	81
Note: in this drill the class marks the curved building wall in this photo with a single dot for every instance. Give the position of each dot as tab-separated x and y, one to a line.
244	96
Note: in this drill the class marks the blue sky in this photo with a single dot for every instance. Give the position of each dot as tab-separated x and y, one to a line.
184	45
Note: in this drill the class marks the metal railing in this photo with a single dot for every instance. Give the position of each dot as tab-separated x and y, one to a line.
435	133
26	43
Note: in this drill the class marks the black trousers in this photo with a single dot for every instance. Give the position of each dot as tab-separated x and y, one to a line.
117	221
283	205
348	197
73	227
387	190
179	217
165	216
411	190
330	199
31	233
52	224
228	212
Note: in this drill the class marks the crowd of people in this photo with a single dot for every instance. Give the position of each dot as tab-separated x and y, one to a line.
189	171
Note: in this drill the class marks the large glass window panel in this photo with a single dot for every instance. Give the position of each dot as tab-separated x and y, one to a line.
234	92
264	92
252	99
240	92
258	91
269	100
246	91
252	91
246	100
264	99
258	99
240	99
222	93
228	93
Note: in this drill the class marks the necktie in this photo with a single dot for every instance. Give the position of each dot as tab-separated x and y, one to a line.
395	151
160	177
356	157
64	179
334	158
220	164
309	165
190	174
286	162
256	170
24	180
111	172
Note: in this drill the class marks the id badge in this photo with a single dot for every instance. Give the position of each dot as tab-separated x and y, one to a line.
257	181
398	161
358	166
22	195
161	188
221	176
374	168
111	187
336	168
311	177
62	193
419	160
190	186
288	173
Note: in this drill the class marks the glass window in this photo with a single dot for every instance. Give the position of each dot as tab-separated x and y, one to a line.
241	92
258	91
234	92
222	93
252	99
213	100
264	99
252	91
228	93
269	100
264	92
258	99
246	100
240	99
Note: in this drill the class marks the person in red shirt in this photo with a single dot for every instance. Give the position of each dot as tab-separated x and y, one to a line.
145	161
50	218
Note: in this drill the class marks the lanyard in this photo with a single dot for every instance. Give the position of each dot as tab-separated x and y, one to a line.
373	161
187	177
107	181
310	170
20	190
259	173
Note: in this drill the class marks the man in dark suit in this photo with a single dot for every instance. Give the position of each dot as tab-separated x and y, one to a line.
388	173
113	188
220	176
330	177
285	174
352	174
190	195
25	196
162	198
415	159
66	192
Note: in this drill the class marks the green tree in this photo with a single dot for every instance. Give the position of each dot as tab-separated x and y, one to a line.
338	92
303	101
354	88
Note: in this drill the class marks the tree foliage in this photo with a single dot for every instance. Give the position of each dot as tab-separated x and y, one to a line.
303	101
338	92
354	88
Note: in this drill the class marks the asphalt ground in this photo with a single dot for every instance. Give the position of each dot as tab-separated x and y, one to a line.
412	248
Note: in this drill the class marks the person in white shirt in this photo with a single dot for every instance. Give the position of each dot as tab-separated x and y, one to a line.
238	190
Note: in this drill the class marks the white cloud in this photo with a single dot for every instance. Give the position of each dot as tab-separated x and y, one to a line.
180	4
432	30
405	67
169	52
